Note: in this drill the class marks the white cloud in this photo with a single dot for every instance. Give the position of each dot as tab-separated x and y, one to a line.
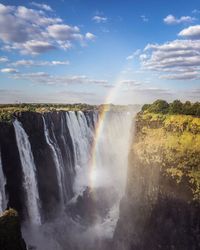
28	63
99	19
170	19
131	82
144	18
192	32
178	59
134	54
48	79
9	70
63	32
3	59
32	31
42	6
90	36
196	11
35	47
182	76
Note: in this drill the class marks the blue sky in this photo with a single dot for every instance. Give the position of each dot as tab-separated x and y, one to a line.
79	51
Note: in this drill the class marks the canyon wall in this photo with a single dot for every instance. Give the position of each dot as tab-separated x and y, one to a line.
162	203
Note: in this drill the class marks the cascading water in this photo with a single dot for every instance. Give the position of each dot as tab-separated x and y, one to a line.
29	174
89	190
82	133
3	201
57	160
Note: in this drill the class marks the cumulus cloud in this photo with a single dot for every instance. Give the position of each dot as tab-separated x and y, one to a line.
42	6
34	31
192	32
99	19
170	19
178	59
9	70
28	63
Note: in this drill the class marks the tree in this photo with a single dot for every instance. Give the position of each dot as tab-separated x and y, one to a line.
176	107
159	106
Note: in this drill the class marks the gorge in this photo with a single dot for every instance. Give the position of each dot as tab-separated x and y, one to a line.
105	180
64	179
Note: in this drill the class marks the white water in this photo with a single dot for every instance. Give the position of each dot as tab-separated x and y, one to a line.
82	136
29	174
108	179
57	161
110	170
3	200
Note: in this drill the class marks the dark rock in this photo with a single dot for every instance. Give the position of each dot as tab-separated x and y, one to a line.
10	232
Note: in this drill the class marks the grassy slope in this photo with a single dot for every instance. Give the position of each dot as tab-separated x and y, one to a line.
173	143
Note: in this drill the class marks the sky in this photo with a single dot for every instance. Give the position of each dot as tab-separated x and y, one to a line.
124	52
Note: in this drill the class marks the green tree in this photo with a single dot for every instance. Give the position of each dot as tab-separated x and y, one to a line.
159	106
176	107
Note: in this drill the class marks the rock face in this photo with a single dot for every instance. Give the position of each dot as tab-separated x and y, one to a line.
161	208
10	232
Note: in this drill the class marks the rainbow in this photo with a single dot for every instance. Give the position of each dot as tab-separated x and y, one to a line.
98	132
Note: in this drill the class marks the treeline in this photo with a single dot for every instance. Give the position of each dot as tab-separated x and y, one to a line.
34	106
7	111
176	107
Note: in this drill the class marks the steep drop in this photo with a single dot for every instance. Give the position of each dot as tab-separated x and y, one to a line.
29	174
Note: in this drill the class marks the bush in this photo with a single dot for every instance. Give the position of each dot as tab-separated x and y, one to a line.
159	106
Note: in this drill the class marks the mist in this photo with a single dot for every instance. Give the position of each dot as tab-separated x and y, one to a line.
89	218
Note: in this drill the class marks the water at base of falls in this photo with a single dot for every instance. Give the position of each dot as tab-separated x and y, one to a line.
85	217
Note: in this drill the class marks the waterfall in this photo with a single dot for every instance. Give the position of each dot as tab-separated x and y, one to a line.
112	150
57	160
81	132
89	196
3	201
29	173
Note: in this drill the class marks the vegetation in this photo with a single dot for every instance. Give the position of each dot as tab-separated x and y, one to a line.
176	107
8	111
172	144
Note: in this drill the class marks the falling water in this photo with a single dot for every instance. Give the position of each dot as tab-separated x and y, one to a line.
3	201
82	133
29	173
56	159
74	227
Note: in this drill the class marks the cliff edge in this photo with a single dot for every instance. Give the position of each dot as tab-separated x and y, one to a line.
161	208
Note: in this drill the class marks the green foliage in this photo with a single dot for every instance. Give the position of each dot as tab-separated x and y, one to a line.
159	106
176	107
146	107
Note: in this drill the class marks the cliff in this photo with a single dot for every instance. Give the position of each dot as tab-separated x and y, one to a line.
161	207
10	232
